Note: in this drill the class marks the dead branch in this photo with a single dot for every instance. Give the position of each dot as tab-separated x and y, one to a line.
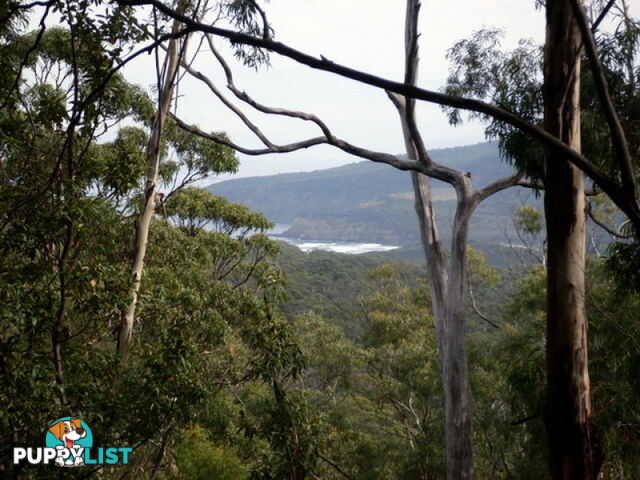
624	199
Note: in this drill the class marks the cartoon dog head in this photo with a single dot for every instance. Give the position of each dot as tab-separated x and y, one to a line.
68	431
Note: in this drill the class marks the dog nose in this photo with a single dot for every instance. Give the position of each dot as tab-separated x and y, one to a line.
79	431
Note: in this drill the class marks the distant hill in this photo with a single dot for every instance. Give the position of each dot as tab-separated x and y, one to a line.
369	202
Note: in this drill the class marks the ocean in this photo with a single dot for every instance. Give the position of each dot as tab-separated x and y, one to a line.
330	246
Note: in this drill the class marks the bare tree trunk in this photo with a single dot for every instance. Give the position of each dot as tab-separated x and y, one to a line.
447	297
573	448
171	65
457	392
446	284
431	246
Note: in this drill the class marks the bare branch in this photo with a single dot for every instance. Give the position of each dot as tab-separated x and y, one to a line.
242	95
474	305
499	185
592	192
603	14
601	224
436	171
347	147
239	113
626	203
272	148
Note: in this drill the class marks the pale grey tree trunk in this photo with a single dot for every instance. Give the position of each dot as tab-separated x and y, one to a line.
457	394
447	285
432	248
446	282
171	66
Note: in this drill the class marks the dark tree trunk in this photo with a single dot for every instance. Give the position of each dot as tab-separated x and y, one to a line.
573	450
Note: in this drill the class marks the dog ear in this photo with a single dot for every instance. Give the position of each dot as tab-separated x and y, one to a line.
57	429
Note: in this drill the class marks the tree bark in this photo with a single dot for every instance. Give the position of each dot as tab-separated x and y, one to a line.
574	452
446	282
171	65
457	391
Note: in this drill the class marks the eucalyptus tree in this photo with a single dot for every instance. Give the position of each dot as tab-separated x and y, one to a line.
515	81
46	144
69	198
447	277
573	446
167	79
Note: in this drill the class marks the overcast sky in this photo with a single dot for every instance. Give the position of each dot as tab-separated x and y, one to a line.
364	34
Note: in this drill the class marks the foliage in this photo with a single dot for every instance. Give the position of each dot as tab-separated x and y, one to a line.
377	398
528	220
207	319
235	373
197	458
512	80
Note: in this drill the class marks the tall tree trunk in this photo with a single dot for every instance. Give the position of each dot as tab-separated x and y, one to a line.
171	65
457	391
446	284
573	448
447	298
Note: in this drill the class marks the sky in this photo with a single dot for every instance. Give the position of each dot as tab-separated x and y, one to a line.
364	34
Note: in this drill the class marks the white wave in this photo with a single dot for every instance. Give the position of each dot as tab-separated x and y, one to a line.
338	247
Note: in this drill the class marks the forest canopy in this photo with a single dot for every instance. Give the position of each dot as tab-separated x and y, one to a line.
170	320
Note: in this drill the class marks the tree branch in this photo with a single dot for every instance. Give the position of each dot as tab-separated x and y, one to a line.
474	305
242	95
223	140
442	173
620	144
625	201
603	14
627	204
239	113
499	185
604	226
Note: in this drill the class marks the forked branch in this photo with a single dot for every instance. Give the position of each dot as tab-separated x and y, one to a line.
624	199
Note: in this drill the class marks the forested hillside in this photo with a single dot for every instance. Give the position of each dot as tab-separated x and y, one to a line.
371	365
152	329
367	202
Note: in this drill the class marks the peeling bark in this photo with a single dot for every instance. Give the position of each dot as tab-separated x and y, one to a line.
574	450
